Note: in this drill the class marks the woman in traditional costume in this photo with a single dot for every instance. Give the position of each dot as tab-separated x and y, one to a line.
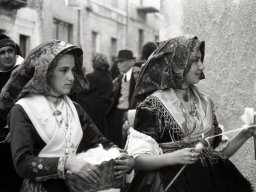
173	118
47	128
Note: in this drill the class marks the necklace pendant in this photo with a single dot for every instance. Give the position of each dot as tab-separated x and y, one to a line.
192	113
186	98
56	113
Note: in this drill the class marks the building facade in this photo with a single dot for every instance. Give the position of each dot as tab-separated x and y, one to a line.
20	22
103	26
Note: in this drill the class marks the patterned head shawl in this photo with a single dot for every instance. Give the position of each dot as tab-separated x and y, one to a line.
31	77
168	65
100	61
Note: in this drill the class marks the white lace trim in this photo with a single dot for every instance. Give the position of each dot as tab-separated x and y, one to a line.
139	143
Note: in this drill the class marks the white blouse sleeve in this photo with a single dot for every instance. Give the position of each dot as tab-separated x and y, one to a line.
139	143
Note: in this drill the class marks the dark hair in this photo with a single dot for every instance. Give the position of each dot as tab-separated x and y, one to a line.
9	42
147	50
3	36
100	62
18	51
139	63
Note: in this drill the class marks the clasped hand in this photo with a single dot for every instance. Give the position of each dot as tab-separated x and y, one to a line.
186	155
86	170
91	173
251	130
123	165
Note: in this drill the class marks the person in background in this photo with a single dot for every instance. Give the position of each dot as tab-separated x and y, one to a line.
173	119
147	49
97	99
114	69
123	87
47	128
9	59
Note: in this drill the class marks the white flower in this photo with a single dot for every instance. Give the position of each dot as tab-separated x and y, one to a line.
248	116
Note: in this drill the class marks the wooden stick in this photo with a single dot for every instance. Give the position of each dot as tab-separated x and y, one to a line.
254	138
199	146
174	179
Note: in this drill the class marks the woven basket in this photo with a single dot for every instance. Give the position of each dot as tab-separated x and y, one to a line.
107	180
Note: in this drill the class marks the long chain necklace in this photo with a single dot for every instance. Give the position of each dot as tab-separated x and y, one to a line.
194	113
67	127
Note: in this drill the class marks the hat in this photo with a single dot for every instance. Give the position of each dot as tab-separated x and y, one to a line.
6	41
125	54
147	49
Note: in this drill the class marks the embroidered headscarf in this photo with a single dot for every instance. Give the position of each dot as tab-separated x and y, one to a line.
31	77
168	65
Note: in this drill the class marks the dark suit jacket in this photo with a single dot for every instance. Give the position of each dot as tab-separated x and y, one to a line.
116	93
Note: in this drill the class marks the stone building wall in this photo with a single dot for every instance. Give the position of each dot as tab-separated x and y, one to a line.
22	21
228	27
117	19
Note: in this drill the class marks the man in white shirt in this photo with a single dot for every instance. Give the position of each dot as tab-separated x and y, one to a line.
123	87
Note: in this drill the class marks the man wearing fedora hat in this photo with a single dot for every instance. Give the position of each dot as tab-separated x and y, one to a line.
123	87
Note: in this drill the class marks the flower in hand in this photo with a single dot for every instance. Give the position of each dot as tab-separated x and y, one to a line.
249	118
251	130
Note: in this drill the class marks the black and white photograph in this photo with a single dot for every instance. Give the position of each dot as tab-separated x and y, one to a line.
127	96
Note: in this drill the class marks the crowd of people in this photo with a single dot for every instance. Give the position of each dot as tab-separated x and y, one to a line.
150	110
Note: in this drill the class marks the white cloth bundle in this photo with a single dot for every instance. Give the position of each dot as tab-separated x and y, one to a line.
98	155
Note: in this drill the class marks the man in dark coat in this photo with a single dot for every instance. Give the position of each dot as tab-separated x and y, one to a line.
9	60
123	87
97	99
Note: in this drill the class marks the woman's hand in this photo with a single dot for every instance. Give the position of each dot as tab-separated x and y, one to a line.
8	138
83	169
250	131
184	156
123	165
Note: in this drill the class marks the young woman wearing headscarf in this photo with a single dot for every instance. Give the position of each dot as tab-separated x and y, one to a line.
172	119
47	128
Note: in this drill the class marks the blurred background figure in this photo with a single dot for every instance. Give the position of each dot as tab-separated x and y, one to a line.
135	75
136	69
97	99
147	49
9	59
114	69
123	87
